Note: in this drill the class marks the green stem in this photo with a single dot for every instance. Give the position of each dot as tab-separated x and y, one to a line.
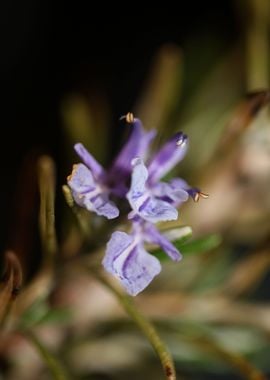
145	326
55	367
257	44
47	212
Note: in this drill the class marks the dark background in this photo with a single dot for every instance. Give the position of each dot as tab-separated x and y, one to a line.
50	49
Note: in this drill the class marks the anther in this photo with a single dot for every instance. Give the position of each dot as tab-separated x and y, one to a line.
199	195
129	118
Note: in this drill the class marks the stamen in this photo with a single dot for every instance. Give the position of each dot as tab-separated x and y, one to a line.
196	194
203	195
199	195
196	197
129	118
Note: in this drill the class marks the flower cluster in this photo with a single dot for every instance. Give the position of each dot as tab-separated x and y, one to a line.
136	177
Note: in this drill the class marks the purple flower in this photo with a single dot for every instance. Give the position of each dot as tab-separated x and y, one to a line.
136	145
91	184
88	186
152	200
127	259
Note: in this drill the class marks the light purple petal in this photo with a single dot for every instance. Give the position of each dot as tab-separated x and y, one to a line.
117	245
128	260
138	181
167	157
89	160
173	191
152	235
143	202
139	270
103	206
88	194
155	210
179	182
98	203
81	179
136	145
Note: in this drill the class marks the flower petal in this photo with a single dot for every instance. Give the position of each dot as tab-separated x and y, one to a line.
168	156
143	202
89	160
129	261
88	194
103	206
173	192
138	180
117	245
152	235
154	210
81	179
136	145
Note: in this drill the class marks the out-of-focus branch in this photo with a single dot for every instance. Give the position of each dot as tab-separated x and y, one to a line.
10	285
247	274
162	89
145	326
46	171
241	365
56	369
210	308
257	44
42	283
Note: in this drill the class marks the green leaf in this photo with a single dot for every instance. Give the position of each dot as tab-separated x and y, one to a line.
56	316
40	313
199	245
34	313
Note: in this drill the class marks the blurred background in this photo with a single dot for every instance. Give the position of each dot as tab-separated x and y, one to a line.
68	72
51	51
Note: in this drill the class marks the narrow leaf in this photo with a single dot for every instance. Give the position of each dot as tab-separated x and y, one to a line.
199	245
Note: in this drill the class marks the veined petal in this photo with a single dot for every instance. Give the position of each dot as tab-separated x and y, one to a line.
136	145
173	192
138	181
81	179
127	259
143	202
168	156
139	270
119	244
152	235
103	206
155	210
89	160
88	194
